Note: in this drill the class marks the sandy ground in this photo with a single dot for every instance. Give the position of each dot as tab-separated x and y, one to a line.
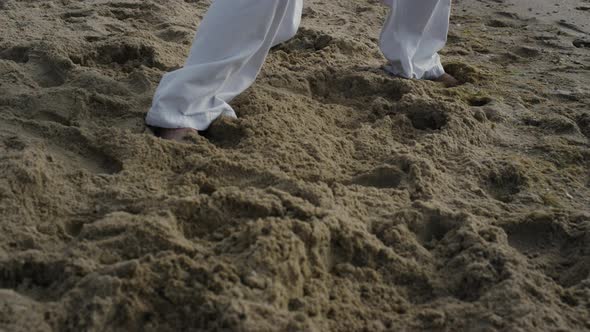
342	200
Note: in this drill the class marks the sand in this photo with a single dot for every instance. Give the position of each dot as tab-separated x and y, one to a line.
343	199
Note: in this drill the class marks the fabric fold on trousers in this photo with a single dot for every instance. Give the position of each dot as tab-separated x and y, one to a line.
228	52
414	33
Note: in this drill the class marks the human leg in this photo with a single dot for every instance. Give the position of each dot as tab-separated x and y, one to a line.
229	51
412	36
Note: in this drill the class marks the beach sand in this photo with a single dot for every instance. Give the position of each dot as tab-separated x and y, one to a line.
343	199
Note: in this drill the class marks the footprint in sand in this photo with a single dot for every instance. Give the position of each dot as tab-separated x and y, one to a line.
381	177
38	276
505	181
46	66
356	87
554	244
59	150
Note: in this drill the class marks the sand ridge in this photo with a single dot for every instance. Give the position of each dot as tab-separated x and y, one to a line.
343	199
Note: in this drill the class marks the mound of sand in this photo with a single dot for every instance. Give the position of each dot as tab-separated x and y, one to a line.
343	199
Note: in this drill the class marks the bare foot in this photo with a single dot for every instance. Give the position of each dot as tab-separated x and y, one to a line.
448	80
185	134
175	134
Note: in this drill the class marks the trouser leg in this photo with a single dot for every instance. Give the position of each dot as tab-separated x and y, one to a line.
227	55
412	36
290	24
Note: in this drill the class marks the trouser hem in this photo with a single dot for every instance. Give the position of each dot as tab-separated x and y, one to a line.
169	120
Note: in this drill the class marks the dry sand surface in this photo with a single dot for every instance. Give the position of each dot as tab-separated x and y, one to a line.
342	200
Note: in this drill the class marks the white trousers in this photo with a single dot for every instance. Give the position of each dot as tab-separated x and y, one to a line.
236	35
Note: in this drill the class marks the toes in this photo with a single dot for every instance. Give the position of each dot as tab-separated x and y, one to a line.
448	80
179	135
